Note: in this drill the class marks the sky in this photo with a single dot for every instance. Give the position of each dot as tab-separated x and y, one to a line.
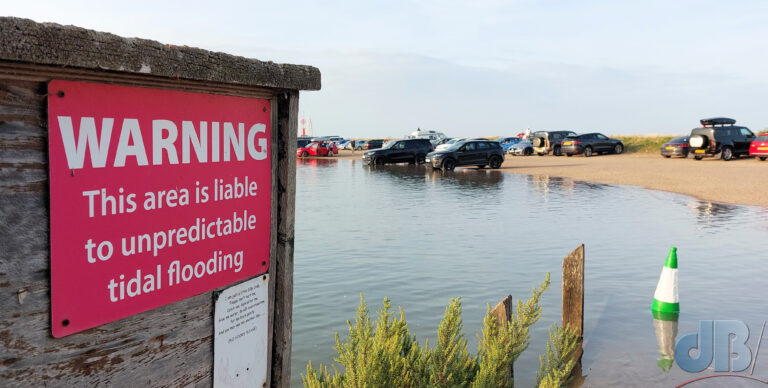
477	68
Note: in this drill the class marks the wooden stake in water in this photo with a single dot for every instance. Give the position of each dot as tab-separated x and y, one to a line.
503	313
573	298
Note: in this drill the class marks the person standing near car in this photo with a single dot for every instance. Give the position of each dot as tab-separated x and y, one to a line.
527	134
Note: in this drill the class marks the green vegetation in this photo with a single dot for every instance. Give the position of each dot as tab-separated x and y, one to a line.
388	355
650	143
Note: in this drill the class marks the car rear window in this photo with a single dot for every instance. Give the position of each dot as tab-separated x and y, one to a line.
762	138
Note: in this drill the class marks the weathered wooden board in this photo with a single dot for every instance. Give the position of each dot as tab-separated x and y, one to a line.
168	346
573	299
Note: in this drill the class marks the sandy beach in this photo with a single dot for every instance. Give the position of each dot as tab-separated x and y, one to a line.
739	181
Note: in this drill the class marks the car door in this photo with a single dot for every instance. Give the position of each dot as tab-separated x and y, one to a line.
398	152
466	154
482	152
603	144
745	140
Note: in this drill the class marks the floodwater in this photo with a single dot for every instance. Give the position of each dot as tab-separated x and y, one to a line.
422	237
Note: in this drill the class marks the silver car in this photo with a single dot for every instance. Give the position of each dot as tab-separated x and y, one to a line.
524	147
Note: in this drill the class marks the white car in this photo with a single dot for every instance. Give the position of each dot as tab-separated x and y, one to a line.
524	147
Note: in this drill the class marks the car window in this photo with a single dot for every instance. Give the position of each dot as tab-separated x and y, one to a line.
467	147
556	136
746	132
601	136
762	138
399	146
482	146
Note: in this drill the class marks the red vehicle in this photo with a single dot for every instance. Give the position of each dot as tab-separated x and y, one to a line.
317	148
759	146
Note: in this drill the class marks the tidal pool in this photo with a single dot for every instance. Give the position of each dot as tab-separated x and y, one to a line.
422	237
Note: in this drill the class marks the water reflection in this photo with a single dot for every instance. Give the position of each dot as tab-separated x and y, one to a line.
327	162
713	212
465	178
666	333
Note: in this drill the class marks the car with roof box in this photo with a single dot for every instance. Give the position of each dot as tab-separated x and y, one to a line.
720	136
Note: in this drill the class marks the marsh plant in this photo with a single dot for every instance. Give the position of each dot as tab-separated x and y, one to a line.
386	354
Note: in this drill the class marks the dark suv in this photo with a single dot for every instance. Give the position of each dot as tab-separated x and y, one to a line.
373	144
478	153
590	143
545	142
398	151
720	135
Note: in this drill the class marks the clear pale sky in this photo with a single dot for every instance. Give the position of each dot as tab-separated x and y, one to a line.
477	67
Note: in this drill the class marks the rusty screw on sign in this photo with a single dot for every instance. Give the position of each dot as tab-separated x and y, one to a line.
65	323
265	109
60	93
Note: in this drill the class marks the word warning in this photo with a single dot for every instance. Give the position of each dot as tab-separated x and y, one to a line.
155	196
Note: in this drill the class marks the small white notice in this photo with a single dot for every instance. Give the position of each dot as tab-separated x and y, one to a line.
240	335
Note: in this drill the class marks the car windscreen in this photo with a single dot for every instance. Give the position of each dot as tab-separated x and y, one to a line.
389	144
681	139
456	145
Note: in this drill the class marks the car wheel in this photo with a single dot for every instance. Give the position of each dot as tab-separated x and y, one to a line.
420	159
540	154
305	154
449	164
762	158
667	156
379	161
528	152
698	157
557	151
588	152
569	155
726	154
495	162
619	148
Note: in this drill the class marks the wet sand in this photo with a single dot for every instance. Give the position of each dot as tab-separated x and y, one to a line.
738	181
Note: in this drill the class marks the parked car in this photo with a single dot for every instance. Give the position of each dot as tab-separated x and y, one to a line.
759	146
373	144
317	148
351	144
589	144
399	151
545	142
507	142
675	147
449	143
478	153
302	142
328	138
524	147
720	135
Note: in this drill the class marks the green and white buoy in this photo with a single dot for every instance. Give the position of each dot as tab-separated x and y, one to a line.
666	302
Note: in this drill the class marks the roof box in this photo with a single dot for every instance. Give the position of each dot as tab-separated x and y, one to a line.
716	121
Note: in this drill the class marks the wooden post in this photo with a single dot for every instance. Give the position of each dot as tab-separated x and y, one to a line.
171	345
503	313
573	298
